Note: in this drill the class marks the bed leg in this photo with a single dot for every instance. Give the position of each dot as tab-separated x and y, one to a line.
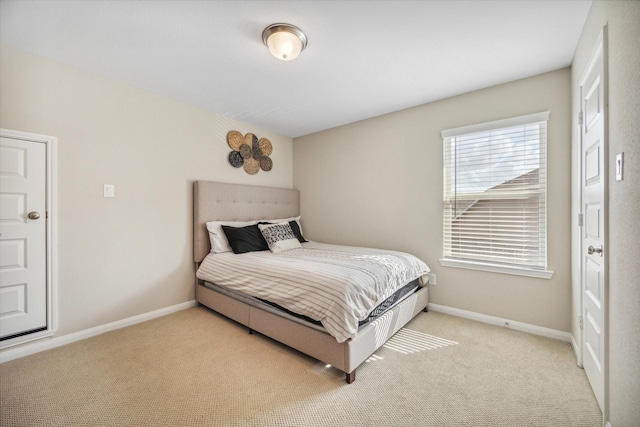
426	309
350	377
250	331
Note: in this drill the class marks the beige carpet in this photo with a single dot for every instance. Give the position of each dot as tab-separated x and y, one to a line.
198	368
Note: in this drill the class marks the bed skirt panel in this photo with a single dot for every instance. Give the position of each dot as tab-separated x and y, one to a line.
316	344
227	306
372	336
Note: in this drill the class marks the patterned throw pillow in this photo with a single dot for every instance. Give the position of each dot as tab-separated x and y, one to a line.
279	236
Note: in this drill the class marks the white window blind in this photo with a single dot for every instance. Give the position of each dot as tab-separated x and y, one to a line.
495	193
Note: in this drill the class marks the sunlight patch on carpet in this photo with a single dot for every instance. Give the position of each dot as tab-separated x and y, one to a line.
373	358
408	341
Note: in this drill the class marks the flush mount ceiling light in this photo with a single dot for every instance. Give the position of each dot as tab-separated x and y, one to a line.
285	41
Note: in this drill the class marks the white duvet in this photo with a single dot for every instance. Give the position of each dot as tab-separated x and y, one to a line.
336	285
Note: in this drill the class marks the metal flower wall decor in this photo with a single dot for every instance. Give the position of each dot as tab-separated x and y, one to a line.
249	152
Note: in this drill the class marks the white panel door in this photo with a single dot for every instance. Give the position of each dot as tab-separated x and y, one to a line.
594	210
23	245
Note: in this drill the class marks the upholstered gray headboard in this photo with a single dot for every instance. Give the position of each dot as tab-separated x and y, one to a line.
216	201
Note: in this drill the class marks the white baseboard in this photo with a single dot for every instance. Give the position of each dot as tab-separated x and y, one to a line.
49	343
574	347
576	351
511	324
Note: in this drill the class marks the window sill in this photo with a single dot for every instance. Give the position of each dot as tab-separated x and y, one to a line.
496	268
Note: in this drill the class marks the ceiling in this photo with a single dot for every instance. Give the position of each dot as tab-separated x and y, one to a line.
364	58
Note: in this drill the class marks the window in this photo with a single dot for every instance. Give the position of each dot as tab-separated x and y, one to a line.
495	196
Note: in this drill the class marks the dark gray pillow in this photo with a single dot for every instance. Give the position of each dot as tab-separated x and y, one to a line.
245	239
296	231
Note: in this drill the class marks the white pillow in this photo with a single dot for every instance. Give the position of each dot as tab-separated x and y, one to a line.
218	239
279	236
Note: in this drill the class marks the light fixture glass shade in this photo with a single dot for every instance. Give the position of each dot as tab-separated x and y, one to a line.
285	41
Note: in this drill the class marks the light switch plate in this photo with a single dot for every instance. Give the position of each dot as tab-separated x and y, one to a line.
619	166
109	190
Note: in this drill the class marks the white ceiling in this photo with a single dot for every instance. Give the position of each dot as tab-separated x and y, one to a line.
364	58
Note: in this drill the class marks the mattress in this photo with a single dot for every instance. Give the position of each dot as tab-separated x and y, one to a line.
398	296
338	286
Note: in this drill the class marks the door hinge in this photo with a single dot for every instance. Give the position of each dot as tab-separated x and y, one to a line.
580	321
580	220
580	118
46	214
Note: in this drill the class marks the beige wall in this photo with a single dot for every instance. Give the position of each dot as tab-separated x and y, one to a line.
623	26
132	254
378	183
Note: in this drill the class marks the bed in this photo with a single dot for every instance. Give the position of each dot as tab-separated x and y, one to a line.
214	201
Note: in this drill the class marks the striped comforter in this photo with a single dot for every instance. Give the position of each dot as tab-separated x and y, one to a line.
336	285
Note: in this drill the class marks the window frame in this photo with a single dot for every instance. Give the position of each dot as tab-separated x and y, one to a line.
487	265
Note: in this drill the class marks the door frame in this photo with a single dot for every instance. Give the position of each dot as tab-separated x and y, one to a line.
600	47
51	144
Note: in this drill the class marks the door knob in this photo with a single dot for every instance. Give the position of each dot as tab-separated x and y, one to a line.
591	250
34	215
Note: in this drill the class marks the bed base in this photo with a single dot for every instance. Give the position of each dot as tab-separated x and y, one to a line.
345	356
